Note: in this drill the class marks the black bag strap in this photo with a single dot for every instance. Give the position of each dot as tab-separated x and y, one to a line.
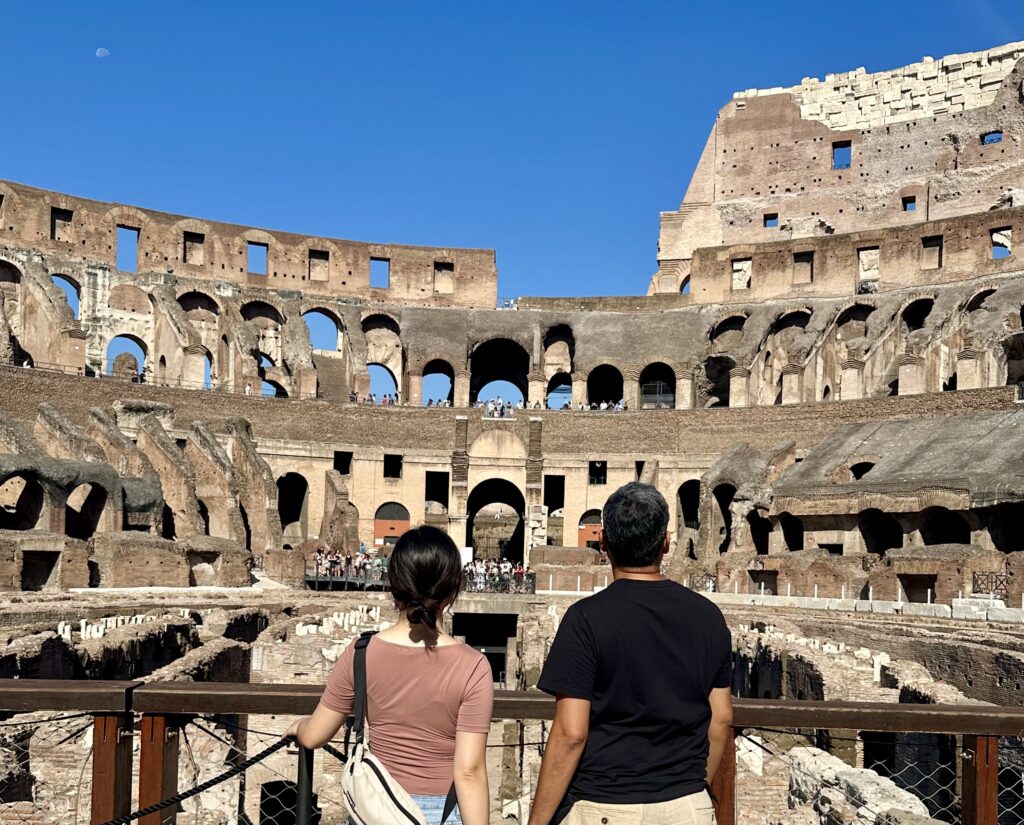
450	802
359	685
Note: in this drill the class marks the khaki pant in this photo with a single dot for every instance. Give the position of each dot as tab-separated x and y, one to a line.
695	809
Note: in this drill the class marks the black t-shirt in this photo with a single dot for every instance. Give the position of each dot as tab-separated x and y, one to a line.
646	654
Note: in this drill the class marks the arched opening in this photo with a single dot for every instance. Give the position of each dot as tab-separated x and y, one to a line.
126	357
949	385
759	528
852	322
689	503
292	504
325	330
559	349
199	308
658	387
485	540
21	503
717	369
72	292
389	522
10	279
879	531
589	534
559	394
723	495
727	333
167	526
604	384
207	371
204	516
1014	349
861	469
497	367
383	383
792	531
262	315
384	349
941	526
1005	527
83	511
978	301
684	287
438	383
916	313
826	394
271	389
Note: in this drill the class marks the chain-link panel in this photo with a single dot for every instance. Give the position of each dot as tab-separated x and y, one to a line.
1011	780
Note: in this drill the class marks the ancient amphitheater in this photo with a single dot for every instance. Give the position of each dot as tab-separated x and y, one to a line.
823	379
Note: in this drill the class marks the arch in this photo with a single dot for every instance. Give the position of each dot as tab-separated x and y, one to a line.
498	359
880	531
498	491
792	319
262	314
727	333
21	502
589	530
292	507
438	382
861	469
382	381
826	394
10	275
723	495
207	370
384	349
325	329
604	383
559	391
684	286
977	301
1004	526
129	298
380	321
559	350
759	528
939	525
72	292
658	386
717	369
199	307
688	497
916	313
126	356
272	389
792	531
852	322
389	522
83	511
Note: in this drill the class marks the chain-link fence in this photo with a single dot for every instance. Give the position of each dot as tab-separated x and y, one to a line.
44	768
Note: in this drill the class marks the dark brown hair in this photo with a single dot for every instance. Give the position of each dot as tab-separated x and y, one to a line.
425	571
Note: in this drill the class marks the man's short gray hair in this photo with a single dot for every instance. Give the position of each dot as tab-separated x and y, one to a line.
635	520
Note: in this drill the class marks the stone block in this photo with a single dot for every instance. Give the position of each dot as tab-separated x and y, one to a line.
937	611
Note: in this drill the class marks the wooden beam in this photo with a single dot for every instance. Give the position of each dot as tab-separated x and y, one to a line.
723	788
980	780
111	767
64	694
158	766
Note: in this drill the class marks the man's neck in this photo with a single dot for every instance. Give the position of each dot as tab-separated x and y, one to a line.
649	574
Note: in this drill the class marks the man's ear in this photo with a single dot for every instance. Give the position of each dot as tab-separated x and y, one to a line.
665	546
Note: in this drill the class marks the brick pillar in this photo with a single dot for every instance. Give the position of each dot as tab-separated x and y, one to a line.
912	374
792	384
739	379
969	369
631	387
414	391
462	388
457	514
579	387
537	389
851	384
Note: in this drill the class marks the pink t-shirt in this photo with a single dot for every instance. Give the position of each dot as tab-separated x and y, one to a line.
417	698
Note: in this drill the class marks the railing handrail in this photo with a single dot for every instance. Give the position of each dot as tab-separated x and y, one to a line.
22	695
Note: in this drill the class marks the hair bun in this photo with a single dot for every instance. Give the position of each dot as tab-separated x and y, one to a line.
424	612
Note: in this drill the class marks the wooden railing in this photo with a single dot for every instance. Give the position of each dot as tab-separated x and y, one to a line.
160	708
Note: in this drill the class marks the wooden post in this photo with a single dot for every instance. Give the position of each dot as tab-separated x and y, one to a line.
980	780
723	788
158	767
111	767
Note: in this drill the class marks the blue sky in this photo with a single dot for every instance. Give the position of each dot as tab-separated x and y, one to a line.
553	132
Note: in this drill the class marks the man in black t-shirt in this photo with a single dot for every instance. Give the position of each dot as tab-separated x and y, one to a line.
641	673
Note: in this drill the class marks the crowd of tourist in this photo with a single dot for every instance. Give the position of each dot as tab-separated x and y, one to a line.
386	400
498	576
332	564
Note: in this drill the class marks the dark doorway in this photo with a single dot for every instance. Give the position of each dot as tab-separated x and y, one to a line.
38	569
918	588
499	491
490	634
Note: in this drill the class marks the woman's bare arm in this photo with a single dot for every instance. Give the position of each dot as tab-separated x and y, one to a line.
471	777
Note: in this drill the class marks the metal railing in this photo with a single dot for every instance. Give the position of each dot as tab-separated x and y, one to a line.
960	763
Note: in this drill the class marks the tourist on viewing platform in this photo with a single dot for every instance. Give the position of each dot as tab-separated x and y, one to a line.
641	673
429	696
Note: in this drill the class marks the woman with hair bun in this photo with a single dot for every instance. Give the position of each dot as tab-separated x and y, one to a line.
429	696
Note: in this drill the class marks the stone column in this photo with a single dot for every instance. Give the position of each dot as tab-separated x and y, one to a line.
462	388
684	389
912	377
457	529
792	384
414	391
969	369
631	387
537	389
851	384
739	379
579	387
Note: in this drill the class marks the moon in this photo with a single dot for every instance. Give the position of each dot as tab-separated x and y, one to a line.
102	52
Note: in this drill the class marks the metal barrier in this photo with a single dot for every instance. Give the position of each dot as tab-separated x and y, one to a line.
962	762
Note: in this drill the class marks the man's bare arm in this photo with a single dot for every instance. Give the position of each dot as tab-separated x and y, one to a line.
718	730
561	756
